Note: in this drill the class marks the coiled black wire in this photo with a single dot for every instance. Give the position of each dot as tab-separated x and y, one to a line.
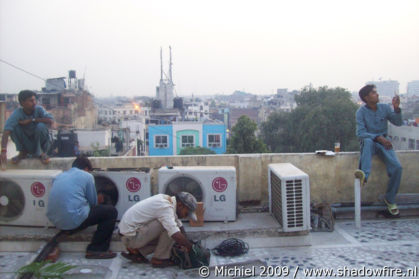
231	247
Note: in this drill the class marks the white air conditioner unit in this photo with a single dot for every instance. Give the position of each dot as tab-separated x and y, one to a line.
289	197
123	187
214	186
24	196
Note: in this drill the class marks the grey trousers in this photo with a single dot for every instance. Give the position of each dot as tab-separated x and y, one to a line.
149	238
35	144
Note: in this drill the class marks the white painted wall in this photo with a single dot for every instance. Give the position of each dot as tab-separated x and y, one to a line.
88	137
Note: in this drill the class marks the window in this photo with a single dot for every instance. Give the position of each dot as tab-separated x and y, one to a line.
411	144
160	141
417	144
45	101
214	140
187	141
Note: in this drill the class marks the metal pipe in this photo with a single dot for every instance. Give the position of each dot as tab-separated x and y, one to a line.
343	209
357	189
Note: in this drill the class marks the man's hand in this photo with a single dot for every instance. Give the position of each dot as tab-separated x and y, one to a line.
396	102
181	239
25	122
386	143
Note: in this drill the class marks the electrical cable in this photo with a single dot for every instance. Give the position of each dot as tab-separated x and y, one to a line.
20	69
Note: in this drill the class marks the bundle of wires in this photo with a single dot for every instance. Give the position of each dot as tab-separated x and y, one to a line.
231	247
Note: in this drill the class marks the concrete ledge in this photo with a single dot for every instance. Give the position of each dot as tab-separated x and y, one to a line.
256	228
331	178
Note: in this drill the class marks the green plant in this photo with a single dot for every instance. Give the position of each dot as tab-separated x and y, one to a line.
99	152
46	270
196	150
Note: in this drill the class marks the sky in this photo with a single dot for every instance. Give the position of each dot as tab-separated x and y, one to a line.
218	46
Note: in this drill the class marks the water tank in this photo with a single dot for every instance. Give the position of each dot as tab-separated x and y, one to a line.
178	103
72	74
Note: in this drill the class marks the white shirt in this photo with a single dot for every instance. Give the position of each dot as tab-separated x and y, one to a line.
158	207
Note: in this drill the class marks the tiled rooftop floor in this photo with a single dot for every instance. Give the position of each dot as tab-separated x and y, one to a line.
391	243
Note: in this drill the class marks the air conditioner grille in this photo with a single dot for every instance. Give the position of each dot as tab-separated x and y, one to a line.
12	200
276	198
294	203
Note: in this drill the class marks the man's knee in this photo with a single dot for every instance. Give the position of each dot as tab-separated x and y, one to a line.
368	142
111	211
114	212
41	128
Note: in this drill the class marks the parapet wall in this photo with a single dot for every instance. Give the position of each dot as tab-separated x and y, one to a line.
331	178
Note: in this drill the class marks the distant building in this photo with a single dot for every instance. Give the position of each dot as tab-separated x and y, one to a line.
54	84
119	112
235	114
70	107
137	130
386	88
196	111
164	116
166	140
404	137
413	88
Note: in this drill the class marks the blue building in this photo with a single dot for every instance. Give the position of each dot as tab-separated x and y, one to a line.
169	139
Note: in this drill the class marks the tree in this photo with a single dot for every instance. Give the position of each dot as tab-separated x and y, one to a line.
323	116
243	138
196	150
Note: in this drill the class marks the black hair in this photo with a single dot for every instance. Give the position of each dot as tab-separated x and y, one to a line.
25	94
177	198
365	91
82	162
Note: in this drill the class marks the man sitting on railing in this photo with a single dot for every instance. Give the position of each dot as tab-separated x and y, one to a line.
28	129
371	129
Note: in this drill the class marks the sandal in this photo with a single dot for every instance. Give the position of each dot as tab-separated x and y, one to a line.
44	158
136	258
360	174
386	214
161	263
18	158
392	208
100	255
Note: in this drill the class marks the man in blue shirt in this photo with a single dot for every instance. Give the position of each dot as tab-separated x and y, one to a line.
73	206
371	129
28	129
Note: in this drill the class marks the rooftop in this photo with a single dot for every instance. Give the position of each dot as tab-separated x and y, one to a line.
392	243
379	243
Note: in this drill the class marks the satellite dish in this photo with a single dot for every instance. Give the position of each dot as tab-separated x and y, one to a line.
185	184
12	200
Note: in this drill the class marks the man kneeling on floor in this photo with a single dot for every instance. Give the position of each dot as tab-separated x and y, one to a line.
152	225
73	206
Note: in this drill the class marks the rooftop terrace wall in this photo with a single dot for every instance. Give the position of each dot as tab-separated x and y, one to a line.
331	178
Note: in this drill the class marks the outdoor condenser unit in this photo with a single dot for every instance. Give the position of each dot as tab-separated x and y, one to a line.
289	197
